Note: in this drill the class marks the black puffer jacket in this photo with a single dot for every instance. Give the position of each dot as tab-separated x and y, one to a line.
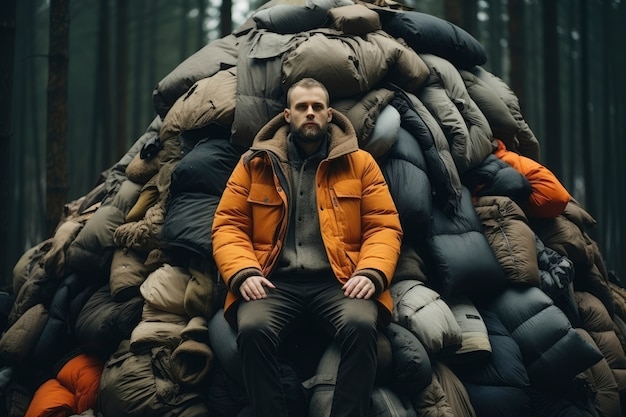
442	173
552	350
494	177
103	322
460	254
556	273
499	385
430	34
58	336
412	369
197	185
404	168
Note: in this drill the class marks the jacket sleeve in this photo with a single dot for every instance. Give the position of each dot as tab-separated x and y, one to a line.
382	233
232	227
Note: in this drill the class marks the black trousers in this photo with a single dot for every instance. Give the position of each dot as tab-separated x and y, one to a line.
262	325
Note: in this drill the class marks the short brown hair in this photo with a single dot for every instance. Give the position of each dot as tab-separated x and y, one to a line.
307	83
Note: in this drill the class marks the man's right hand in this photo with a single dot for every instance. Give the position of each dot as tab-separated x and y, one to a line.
253	288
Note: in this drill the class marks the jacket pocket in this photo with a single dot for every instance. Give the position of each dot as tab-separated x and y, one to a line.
264	194
267	213
346	201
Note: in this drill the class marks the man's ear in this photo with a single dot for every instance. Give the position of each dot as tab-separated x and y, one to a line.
330	114
287	115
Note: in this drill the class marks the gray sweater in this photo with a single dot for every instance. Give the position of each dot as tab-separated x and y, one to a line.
304	251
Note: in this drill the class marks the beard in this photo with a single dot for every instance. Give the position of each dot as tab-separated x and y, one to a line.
309	135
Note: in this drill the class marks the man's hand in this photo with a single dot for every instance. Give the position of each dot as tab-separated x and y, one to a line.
359	286
253	288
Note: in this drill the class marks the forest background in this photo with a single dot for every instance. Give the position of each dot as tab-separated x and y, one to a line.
563	58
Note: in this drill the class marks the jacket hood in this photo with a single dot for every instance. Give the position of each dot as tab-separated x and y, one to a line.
273	136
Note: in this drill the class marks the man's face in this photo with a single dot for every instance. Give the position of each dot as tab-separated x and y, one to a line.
308	114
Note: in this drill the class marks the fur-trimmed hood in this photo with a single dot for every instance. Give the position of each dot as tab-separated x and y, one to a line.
273	137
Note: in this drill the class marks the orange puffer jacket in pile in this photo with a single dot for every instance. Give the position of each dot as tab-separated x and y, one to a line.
548	197
73	391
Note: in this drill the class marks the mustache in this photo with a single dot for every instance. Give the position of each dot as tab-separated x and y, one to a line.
300	135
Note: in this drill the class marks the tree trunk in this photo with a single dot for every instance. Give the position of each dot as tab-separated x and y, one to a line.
184	30
496	35
200	34
102	100
34	168
609	211
585	102
454	12
7	48
56	150
226	20
516	50
30	202
151	51
619	263
470	11
138	121
121	80
552	87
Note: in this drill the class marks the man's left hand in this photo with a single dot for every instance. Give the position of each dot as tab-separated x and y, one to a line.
359	286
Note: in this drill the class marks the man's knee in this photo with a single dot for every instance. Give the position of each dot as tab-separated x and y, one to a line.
360	312
258	342
255	329
359	320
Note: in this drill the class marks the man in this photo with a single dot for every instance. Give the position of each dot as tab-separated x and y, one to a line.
306	225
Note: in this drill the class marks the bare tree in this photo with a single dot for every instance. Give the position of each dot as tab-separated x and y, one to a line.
7	48
56	150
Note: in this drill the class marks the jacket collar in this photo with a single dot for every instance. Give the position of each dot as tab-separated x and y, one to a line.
273	137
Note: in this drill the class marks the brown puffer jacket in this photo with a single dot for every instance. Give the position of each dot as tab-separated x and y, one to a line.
444	397
601	381
210	100
524	141
596	320
510	237
353	64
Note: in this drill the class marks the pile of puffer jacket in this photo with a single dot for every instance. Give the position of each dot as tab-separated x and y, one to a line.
503	305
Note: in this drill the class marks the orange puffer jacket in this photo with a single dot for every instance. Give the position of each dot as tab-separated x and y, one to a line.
73	391
548	197
358	218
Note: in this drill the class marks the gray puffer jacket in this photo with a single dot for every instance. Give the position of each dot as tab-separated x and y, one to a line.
465	126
